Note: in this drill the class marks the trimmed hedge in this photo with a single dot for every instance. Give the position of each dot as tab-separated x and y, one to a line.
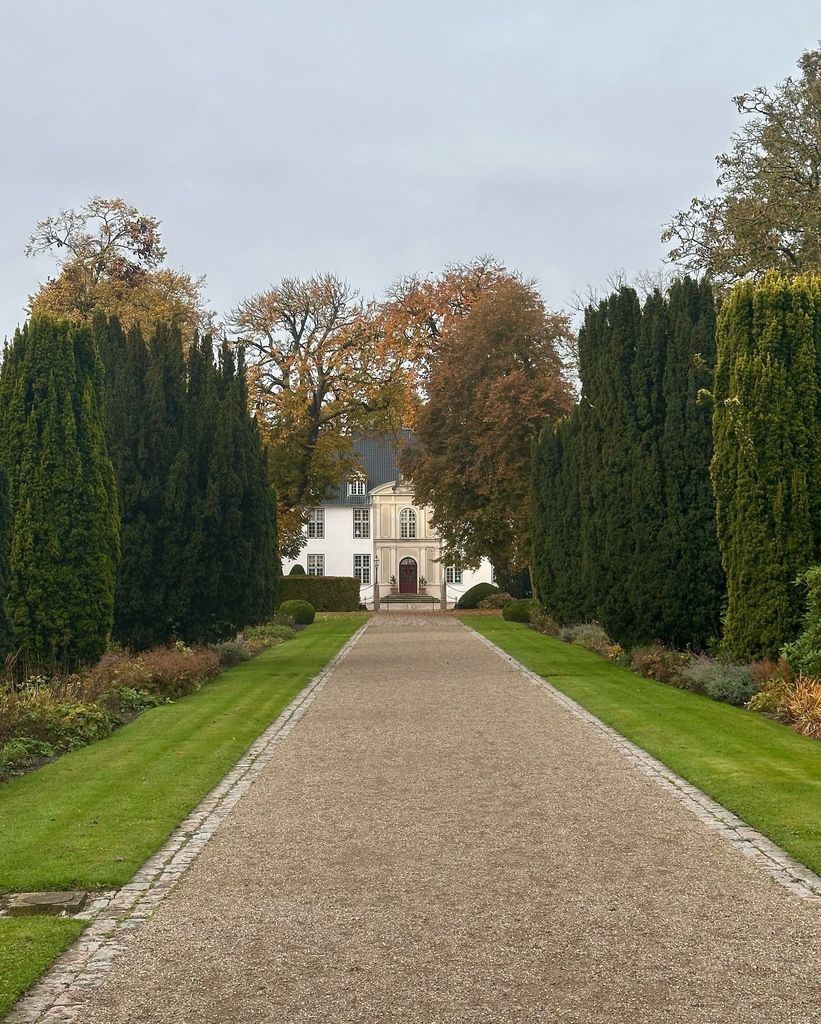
472	597
325	593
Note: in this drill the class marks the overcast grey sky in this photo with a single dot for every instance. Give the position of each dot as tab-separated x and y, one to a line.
377	138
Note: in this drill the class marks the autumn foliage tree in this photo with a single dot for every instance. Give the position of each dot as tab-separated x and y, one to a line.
319	368
496	377
111	260
766	214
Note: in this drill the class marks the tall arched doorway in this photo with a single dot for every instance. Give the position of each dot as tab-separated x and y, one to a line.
407	576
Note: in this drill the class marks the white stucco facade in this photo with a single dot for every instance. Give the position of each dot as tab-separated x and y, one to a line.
400	537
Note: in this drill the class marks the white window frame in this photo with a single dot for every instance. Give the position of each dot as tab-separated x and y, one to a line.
453	575
362	569
356	487
407	524
362	524
315	526
315	565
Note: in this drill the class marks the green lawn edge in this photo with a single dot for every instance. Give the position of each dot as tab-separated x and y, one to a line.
762	771
90	819
27	946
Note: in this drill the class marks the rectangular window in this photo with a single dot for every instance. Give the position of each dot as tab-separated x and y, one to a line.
362	523
316	523
452	574
357	486
362	568
316	565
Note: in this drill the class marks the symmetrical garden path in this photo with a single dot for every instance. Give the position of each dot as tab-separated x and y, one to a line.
439	840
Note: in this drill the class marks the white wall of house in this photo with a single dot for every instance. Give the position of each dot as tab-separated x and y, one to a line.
339	546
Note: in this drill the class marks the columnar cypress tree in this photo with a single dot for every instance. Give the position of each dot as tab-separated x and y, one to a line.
239	509
624	512
65	530
765	467
611	340
644	575
220	518
559	561
6	642
692	579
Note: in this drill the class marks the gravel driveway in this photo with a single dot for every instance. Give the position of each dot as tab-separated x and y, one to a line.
439	841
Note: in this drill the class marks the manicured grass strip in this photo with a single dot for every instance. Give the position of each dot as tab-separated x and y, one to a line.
27	947
90	819
762	771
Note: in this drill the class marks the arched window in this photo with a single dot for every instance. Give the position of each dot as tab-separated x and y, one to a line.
407	523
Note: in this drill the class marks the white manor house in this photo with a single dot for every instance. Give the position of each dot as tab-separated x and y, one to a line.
369	527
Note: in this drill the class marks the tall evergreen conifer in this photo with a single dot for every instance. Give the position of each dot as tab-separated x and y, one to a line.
65	530
765	467
625	528
6	640
691	588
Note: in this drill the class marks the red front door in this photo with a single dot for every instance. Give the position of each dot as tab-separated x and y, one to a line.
407	576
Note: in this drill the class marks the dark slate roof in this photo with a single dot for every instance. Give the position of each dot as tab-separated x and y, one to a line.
377	454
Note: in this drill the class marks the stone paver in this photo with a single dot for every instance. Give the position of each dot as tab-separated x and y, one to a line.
439	840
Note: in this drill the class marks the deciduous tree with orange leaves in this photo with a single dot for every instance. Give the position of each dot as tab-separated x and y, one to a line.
496	376
321	367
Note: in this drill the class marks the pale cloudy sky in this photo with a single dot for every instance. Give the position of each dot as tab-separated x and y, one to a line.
276	138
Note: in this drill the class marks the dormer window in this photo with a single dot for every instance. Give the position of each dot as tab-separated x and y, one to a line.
407	523
356	487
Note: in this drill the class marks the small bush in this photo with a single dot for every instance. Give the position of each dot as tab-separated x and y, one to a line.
471	598
542	620
234	652
296	570
23	752
771	680
659	663
176	671
125	703
495	601
115	670
732	684
269	634
518	611
302	612
589	635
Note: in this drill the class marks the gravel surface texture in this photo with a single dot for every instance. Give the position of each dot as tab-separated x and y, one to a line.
438	841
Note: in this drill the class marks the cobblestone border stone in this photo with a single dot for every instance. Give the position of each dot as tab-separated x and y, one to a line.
777	863
116	914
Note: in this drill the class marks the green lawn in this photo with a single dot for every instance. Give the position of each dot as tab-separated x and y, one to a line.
762	771
90	819
27	947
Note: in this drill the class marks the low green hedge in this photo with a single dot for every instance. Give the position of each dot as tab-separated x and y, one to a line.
325	593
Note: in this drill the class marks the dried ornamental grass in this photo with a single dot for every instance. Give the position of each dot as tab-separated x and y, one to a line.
802	703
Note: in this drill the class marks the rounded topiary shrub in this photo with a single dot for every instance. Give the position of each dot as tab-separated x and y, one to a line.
518	611
477	593
302	612
296	570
